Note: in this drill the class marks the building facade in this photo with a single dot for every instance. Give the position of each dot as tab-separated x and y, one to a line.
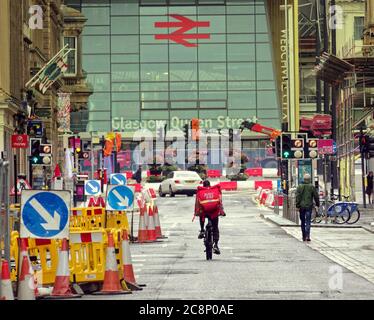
165	62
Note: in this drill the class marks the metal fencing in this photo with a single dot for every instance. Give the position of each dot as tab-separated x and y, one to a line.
4	210
290	211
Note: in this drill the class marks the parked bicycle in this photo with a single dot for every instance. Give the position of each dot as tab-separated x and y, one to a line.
337	212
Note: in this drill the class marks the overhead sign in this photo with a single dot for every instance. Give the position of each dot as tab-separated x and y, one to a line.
22	184
92	187
45	214
118	178
325	146
20	141
120	198
181	35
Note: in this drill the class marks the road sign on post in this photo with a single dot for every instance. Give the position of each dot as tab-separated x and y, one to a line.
20	141
92	187
45	214
120	198
118	179
325	146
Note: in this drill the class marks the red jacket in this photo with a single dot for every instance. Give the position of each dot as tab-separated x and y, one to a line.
217	194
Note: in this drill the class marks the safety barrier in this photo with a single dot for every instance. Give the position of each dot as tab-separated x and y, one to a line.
265	184
87	218
254	172
117	220
214	173
87	256
229	185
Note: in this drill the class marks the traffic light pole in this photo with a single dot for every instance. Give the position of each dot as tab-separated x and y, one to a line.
363	178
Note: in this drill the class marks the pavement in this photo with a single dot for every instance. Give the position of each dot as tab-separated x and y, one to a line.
259	260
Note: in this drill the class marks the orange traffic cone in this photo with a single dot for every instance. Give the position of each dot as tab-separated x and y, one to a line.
111	278
23	252
61	288
157	223
26	285
6	290
142	230
127	269
151	225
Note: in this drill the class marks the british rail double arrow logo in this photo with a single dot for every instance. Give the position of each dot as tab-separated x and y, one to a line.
181	36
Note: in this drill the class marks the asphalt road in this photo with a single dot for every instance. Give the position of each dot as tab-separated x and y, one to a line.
259	260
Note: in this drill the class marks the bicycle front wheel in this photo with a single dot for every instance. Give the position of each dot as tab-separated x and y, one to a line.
317	215
354	217
342	217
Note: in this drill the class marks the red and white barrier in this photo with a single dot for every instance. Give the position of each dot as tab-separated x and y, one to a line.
86	237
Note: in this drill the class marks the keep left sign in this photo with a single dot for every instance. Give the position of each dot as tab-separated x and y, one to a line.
45	214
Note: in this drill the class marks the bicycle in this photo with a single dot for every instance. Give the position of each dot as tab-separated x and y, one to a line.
208	240
335	212
343	211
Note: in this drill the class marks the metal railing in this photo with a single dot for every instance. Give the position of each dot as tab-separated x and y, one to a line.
4	210
290	211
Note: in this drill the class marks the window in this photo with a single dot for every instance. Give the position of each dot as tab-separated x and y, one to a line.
359	27
71	58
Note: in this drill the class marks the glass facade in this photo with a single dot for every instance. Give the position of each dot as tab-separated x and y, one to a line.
157	60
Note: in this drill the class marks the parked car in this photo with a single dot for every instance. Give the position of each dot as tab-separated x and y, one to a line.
180	182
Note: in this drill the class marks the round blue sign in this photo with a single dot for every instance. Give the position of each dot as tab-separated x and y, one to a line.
121	198
45	214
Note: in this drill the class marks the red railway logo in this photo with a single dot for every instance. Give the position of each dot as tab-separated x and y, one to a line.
180	36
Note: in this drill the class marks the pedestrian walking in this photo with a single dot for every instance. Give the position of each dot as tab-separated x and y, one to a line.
305	194
369	187
137	176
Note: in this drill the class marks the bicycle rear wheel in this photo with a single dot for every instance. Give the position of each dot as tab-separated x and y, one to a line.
208	242
354	217
342	217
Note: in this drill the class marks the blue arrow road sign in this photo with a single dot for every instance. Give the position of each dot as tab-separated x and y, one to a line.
45	214
118	178
92	187
120	198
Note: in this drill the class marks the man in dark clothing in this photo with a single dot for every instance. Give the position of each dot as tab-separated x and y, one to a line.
305	194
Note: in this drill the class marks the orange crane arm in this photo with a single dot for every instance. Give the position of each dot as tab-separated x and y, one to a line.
256	127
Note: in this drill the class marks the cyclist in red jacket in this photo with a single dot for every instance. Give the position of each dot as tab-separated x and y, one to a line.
209	203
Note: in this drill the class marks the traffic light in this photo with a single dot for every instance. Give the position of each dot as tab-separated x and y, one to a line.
195	126
34	150
286	145
311	148
370	146
45	154
297	147
186	128
276	147
40	154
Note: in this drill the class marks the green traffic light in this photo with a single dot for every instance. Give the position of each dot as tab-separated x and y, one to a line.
35	159
286	154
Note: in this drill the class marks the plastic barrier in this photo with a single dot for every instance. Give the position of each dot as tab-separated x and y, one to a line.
229	185
270	199
138	186
214	173
265	184
91	218
258	193
264	196
117	220
128	174
254	172
279	198
44	258
87	256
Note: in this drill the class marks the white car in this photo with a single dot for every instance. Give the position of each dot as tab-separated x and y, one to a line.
180	182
